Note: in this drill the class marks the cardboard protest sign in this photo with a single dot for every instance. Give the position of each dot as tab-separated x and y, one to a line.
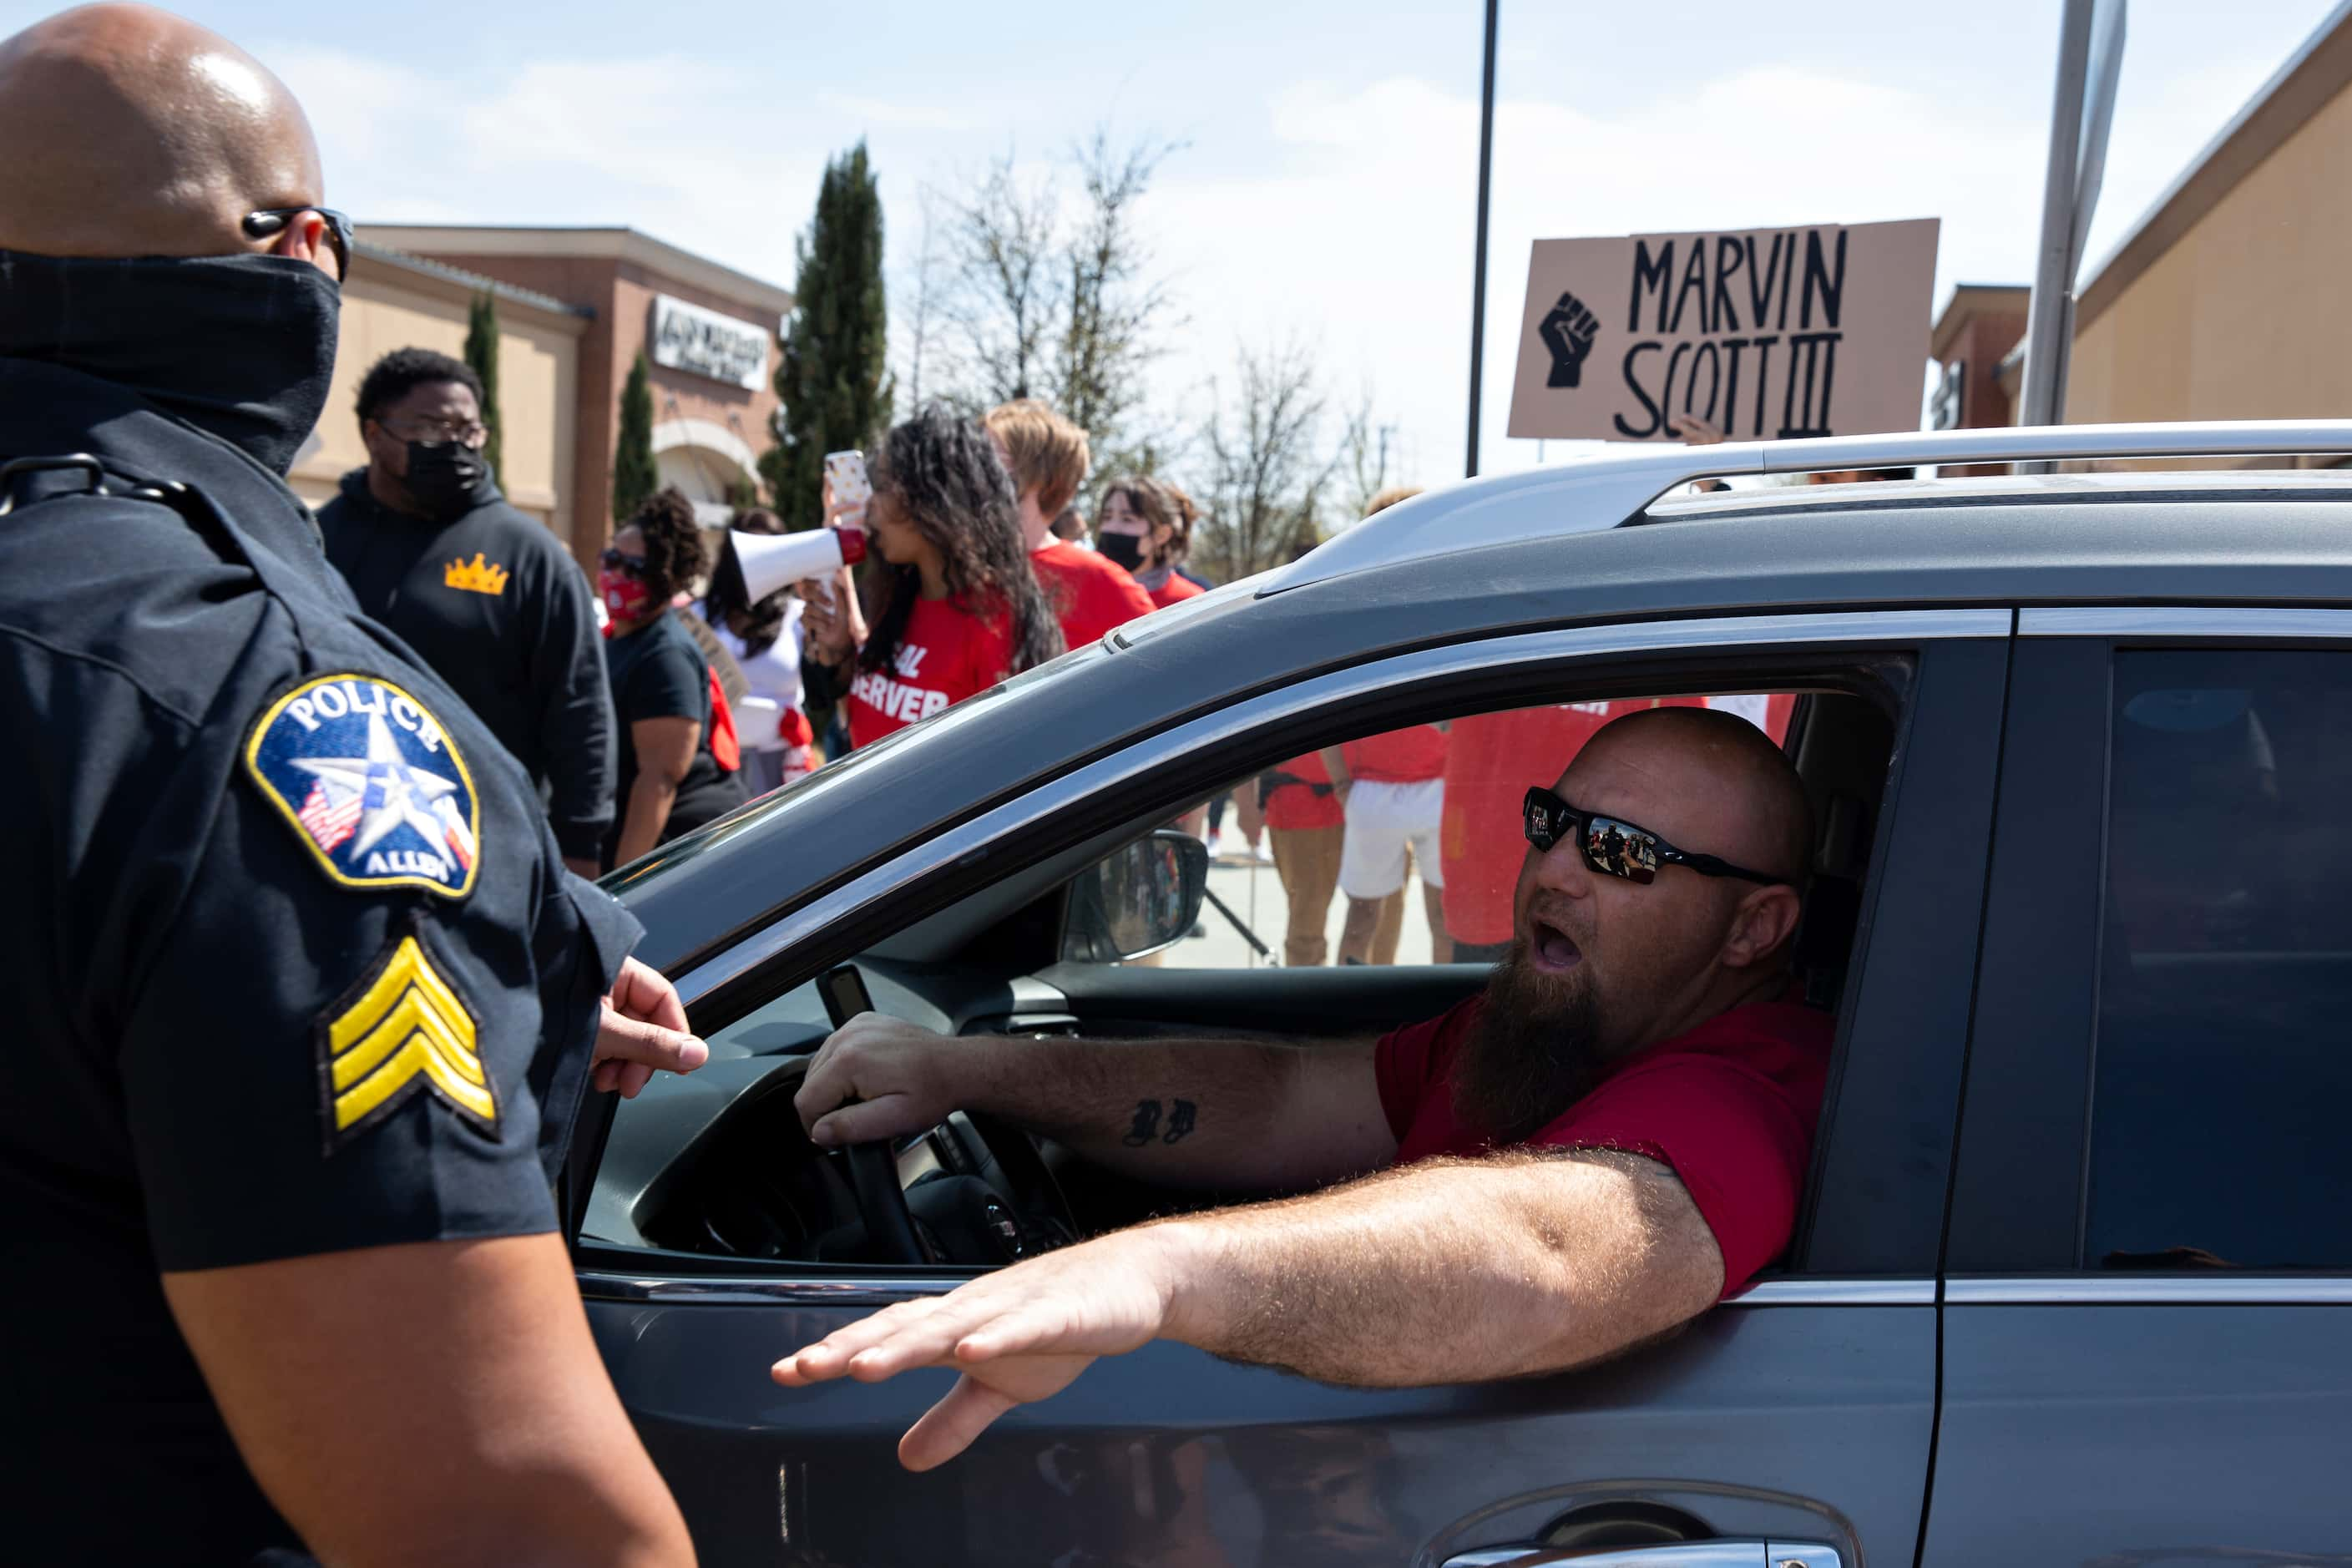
1766	333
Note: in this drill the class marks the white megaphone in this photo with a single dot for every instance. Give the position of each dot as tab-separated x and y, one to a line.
775	561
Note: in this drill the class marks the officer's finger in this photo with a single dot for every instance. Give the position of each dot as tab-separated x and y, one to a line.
864	1121
642	991
636	1040
948	1429
623	1079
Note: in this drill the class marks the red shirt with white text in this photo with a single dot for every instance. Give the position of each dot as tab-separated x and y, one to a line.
945	655
1731	1105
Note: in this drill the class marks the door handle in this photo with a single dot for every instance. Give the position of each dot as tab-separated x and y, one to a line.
1684	1555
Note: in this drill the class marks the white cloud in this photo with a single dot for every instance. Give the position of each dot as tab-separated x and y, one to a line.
866	112
679	147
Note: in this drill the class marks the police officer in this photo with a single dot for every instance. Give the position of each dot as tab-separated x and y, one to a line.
301	998
483	594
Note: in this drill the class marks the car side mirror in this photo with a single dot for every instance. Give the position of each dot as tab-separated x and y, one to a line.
1138	899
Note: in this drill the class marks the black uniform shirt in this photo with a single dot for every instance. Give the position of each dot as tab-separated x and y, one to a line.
499	610
657	673
292	964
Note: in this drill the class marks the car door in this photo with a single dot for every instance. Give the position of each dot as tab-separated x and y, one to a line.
2150	1291
1799	1413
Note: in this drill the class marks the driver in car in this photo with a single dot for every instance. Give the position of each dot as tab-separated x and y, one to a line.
1609	1139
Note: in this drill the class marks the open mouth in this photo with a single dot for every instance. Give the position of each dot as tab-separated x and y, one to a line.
1551	948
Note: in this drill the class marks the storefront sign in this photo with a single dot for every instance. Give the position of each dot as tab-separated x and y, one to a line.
1765	333
689	338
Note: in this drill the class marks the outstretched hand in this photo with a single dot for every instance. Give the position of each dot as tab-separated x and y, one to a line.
1019	1335
644	1028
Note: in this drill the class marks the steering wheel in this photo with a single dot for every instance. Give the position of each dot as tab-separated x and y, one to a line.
882	1204
1033	1195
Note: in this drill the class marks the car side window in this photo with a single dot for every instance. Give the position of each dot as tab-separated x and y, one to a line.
2222	1068
1406	851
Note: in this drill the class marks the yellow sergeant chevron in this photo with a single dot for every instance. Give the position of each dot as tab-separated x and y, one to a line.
406	1029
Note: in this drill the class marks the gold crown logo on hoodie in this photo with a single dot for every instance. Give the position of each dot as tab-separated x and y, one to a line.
478	576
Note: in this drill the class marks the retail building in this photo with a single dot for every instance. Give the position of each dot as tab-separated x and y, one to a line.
576	306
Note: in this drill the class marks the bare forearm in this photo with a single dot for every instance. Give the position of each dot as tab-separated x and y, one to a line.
1452	1271
650	799
1190	1112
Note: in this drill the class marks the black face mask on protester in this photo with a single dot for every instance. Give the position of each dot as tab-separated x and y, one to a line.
443	477
241	347
1127	549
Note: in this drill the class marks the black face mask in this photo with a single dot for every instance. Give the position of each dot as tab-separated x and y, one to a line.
1127	549
443	477
241	347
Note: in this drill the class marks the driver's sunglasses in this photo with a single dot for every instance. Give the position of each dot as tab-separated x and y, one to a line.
270	222
633	565
1615	848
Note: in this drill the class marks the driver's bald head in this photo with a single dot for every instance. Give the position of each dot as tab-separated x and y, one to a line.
134	133
1714	776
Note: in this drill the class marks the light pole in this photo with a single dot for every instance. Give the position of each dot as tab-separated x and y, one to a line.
1478	271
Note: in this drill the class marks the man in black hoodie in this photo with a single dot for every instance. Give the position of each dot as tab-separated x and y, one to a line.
485	596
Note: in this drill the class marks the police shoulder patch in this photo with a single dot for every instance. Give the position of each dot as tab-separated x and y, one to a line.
370	783
403	1030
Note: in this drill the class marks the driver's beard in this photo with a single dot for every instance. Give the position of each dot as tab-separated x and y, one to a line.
1534	1052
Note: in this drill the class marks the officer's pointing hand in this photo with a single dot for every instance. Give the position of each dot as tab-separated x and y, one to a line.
644	1028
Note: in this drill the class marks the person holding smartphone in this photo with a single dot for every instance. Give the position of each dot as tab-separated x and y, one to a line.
956	608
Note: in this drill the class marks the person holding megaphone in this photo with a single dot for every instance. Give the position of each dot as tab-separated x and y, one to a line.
958	608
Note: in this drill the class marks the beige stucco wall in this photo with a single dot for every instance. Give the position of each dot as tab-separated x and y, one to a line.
2247	315
537	380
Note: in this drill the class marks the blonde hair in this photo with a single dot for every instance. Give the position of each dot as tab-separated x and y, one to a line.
1389	497
1049	454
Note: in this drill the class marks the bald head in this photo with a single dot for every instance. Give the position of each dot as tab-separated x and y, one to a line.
135	133
1722	785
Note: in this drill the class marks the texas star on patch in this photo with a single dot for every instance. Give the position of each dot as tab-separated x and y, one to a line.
371	782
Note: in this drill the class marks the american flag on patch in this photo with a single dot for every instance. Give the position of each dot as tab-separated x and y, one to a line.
455	833
328	822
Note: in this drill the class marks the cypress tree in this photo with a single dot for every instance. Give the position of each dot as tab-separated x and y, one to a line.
832	376
634	476
482	354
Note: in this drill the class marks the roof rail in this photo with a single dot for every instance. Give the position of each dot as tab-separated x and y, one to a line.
1612	488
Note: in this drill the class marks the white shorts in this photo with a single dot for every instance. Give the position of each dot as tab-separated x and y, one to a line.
1382	818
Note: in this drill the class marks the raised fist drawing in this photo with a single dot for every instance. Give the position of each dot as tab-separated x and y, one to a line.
1568	333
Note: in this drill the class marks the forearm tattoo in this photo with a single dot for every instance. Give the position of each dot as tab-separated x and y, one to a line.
1146	1128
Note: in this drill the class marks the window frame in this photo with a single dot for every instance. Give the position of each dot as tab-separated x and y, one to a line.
2022	1183
844	921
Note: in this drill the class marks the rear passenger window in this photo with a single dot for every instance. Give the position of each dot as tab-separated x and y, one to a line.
2224	1073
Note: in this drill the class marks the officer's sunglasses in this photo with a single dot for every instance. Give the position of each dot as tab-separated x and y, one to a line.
1615	848
272	222
632	565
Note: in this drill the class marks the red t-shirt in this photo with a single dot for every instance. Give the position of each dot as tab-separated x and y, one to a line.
946	655
1087	594
1731	1106
1292	807
1178	587
1411	755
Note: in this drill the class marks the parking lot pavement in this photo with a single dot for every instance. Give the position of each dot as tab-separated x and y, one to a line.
1253	891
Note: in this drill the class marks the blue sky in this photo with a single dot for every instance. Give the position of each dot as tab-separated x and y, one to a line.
1326	189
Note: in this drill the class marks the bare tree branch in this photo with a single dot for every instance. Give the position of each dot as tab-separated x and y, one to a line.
1269	477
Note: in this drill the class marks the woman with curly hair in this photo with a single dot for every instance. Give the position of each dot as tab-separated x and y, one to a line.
955	608
1141	525
670	779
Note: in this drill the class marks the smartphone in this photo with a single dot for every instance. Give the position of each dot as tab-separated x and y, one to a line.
843	990
847	472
